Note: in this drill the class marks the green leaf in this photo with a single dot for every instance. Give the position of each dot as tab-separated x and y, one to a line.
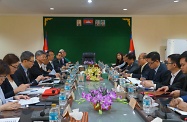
83	100
100	112
97	105
125	102
79	102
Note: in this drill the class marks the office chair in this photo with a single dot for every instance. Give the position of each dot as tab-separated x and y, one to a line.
88	58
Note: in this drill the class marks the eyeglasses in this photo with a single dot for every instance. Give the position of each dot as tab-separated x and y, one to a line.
3	77
14	66
30	61
166	62
150	63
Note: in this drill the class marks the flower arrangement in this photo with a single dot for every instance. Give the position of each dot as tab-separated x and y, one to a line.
93	73
101	99
89	62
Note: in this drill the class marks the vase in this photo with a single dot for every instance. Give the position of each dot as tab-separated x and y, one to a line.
99	107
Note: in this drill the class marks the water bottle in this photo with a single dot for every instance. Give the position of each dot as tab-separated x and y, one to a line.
146	103
67	89
54	114
62	98
131	90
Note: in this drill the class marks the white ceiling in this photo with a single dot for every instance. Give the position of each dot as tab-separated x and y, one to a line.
135	7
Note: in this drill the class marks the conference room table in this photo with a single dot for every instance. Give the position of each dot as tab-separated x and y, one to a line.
118	113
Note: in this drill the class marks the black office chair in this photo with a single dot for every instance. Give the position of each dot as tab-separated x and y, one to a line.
89	57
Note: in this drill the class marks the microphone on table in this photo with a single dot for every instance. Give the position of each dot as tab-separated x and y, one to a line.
42	113
53	91
165	116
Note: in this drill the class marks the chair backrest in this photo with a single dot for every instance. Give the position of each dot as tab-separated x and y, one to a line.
88	56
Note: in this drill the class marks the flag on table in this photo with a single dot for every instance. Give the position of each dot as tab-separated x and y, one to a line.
131	46
45	46
88	21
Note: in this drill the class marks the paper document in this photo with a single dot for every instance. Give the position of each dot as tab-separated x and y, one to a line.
34	90
56	81
48	79
133	80
10	119
32	100
178	111
53	72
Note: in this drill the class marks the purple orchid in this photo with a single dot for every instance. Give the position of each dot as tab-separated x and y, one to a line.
88	97
102	96
83	95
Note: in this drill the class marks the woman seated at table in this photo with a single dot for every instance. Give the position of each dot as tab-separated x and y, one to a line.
4	104
119	59
11	85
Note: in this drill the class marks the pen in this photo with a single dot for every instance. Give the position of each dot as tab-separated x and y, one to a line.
33	90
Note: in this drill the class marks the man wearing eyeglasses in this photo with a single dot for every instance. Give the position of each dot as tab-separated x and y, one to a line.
175	79
22	73
143	70
158	72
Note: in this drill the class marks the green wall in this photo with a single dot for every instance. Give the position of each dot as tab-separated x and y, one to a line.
105	41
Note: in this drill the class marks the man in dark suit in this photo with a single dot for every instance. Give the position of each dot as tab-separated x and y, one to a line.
64	61
177	92
174	79
132	63
50	65
58	62
143	70
158	72
22	73
36	70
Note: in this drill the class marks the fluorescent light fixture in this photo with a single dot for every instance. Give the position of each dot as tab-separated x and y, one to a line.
89	1
51	8
125	9
176	1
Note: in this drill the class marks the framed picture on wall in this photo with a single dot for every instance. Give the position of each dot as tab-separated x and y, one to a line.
102	22
97	23
79	22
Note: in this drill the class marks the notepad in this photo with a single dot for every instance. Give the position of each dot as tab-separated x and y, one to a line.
178	111
10	119
32	100
29	91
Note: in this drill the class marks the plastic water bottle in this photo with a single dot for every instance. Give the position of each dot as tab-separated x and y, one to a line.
146	103
54	114
67	89
131	90
62	98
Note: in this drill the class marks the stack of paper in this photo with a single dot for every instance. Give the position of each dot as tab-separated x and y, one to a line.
10	119
32	100
136	81
34	90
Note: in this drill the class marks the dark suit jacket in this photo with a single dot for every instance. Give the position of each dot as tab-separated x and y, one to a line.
22	78
145	71
161	75
49	66
35	71
182	86
178	81
132	68
57	65
7	88
184	98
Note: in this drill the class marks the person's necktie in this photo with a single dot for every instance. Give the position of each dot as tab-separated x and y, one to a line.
27	75
52	65
2	97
